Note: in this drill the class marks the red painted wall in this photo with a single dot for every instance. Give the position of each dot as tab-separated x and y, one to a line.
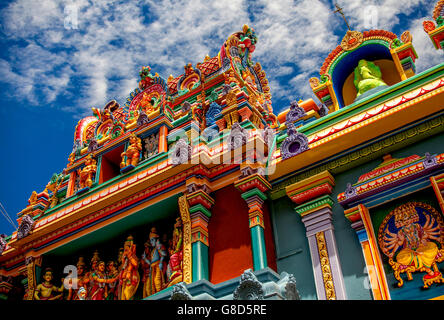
229	236
230	239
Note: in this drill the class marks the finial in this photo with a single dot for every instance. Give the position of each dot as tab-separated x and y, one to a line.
339	9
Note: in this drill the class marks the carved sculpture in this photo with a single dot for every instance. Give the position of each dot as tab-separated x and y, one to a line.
87	173
180	292
129	276
25	227
367	76
249	287
46	290
132	154
294	144
181	153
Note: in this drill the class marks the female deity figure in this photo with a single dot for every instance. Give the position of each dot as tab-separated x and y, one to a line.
129	276
132	153
112	273
46	290
155	261
417	249
87	173
367	76
99	291
79	281
88	279
174	270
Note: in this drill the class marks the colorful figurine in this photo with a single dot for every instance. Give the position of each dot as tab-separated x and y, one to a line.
132	153
99	291
46	290
129	276
413	244
155	260
79	281
112	273
174	270
367	76
87	173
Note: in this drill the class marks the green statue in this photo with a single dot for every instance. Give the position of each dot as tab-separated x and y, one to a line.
367	76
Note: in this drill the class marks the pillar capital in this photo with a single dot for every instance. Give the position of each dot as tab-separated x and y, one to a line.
311	188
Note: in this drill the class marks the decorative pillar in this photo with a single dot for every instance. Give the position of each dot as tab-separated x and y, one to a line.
163	144
314	206
32	274
199	202
438	188
361	223
252	188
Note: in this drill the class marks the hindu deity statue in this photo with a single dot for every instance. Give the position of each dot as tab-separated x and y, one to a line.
155	261
146	270
175	265
87	173
112	273
88	278
46	290
367	76
414	241
99	291
132	153
79	281
129	276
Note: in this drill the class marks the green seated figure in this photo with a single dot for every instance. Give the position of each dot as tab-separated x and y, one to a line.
367	76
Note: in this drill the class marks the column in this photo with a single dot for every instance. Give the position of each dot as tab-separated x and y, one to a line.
360	219
314	206
252	188
32	274
438	187
199	202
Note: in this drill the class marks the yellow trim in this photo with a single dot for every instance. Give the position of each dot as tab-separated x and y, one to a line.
372	257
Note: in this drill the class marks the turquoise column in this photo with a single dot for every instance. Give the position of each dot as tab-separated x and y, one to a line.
199	204
200	261
252	190
258	248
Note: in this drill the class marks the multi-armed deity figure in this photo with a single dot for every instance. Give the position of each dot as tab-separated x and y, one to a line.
132	153
87	173
46	290
153	259
129	276
414	241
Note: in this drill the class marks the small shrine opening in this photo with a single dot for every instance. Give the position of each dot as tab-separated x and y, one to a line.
110	165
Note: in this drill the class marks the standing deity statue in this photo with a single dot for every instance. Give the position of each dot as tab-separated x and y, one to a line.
175	265
367	76
112	273
79	281
88	279
129	276
155	261
46	290
146	270
87	173
99	291
132	153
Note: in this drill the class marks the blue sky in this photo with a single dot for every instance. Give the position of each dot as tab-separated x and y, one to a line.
51	75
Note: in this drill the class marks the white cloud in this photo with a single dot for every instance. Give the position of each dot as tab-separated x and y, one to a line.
100	60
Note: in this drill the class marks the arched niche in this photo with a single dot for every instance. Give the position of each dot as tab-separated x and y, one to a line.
342	69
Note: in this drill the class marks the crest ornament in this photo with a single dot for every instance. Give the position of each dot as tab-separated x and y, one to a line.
294	144
249	287
180	292
295	113
237	136
25	227
182	152
351	40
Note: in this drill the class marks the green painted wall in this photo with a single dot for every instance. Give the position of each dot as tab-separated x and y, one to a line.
292	251
289	231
